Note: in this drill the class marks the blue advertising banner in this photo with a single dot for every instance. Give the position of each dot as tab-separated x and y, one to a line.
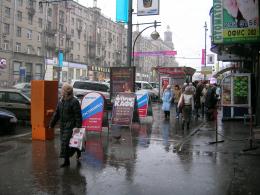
142	103
122	11
60	59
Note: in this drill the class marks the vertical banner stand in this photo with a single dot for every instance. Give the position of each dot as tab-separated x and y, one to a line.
251	138
216	128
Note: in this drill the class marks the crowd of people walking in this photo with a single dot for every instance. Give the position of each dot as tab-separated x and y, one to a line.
196	99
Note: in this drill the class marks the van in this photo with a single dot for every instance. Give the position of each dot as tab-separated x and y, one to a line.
146	86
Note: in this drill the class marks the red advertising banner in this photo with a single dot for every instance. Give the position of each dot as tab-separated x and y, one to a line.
203	57
123	109
92	109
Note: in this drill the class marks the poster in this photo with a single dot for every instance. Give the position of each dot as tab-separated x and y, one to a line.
235	21
240	89
142	103
123	109
122	79
92	109
147	7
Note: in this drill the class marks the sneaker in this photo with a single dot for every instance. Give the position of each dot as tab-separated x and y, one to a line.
177	117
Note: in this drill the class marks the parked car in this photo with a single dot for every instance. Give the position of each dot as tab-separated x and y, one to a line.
17	102
24	87
145	86
81	88
8	121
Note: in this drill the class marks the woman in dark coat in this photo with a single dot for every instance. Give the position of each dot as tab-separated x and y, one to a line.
68	112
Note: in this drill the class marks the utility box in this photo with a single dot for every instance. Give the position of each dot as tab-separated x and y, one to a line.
44	97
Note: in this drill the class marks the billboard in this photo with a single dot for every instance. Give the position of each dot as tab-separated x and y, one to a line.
235	21
147	7
122	79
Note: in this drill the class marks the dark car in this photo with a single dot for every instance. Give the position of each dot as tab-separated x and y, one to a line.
8	121
17	102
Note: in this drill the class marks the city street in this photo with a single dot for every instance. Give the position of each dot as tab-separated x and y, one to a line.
156	157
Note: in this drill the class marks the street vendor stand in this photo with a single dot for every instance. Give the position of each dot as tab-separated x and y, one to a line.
236	96
174	76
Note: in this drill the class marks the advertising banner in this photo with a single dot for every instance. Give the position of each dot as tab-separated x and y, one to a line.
92	109
123	109
147	7
122	11
206	70
142	103
155	53
235	21
122	79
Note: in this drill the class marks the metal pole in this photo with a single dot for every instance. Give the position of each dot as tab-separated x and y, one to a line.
205	58
129	33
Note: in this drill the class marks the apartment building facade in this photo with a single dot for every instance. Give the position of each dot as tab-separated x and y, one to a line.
33	33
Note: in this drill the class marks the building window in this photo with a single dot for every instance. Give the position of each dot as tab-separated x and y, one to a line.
40	8
79	46
7	12
29	49
85	37
18	31
20	3
72	32
78	57
6	45
18	47
71	44
39	37
40	22
28	67
38	71
19	15
6	28
49	25
72	21
30	19
61	27
71	57
38	51
77	73
50	12
29	34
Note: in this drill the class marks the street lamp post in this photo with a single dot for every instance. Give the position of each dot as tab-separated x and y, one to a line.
155	35
205	52
129	32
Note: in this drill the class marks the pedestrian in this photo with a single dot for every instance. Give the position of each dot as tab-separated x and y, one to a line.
177	95
68	113
211	102
203	97
167	99
197	98
186	101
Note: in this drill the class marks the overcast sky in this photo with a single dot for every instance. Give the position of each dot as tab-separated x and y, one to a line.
186	19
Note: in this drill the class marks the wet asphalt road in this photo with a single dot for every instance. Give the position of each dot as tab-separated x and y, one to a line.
154	158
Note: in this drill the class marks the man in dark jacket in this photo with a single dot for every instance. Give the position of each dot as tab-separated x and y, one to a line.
68	112
211	102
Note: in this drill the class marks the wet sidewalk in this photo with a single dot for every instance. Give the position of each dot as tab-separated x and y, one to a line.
155	157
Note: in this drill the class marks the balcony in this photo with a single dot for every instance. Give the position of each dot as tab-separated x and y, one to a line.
51	45
31	10
50	31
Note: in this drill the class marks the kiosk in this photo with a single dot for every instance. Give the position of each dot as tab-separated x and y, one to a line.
236	96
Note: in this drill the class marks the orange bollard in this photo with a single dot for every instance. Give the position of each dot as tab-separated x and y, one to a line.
44	97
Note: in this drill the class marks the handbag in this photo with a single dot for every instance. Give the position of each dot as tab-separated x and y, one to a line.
181	104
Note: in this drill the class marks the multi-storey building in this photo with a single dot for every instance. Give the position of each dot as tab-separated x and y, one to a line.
20	41
33	33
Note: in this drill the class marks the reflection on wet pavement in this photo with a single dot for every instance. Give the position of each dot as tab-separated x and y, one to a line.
143	161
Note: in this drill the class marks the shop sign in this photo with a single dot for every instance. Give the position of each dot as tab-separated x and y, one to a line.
235	22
